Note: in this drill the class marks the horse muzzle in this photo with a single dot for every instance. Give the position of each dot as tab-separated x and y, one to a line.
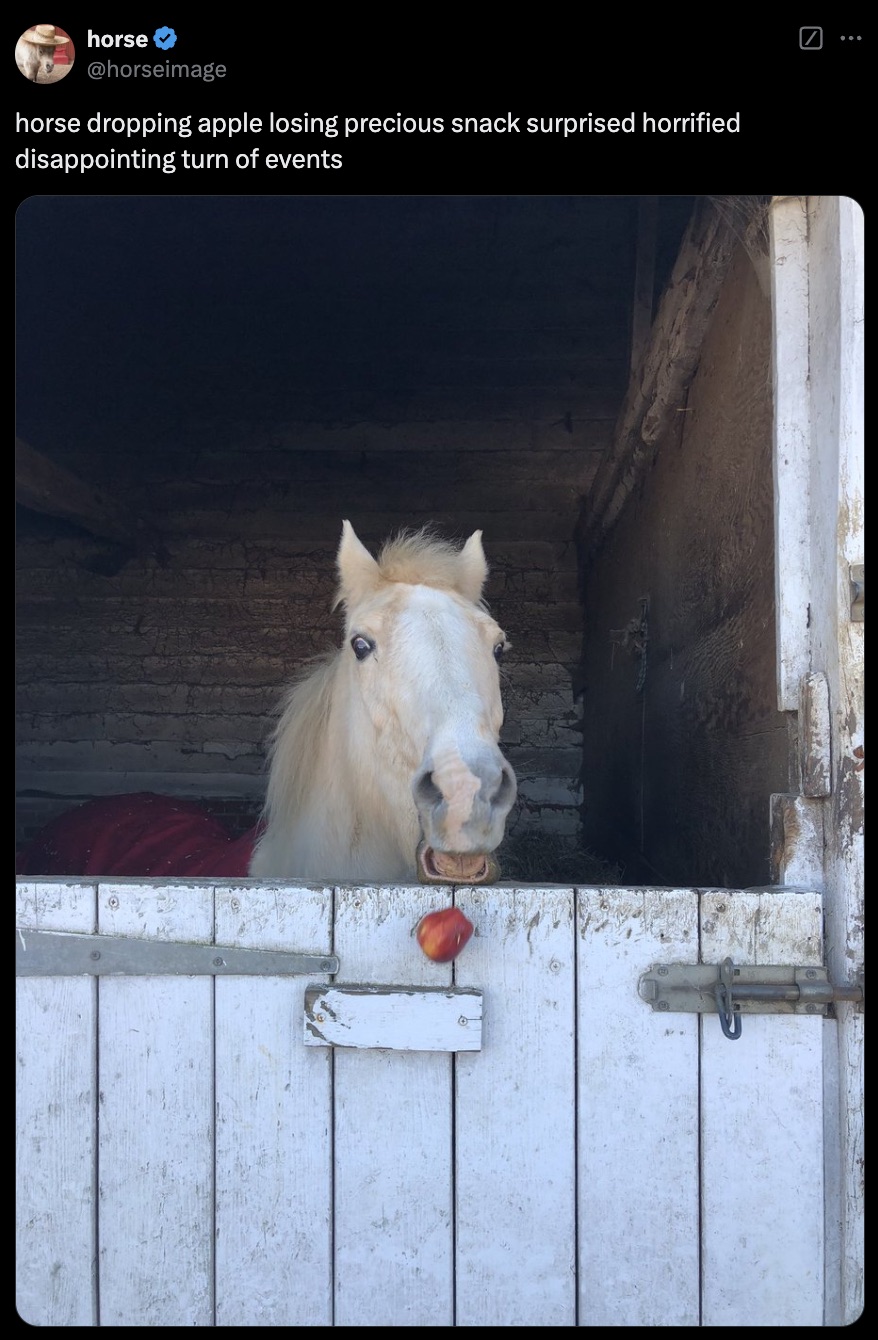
444	867
462	804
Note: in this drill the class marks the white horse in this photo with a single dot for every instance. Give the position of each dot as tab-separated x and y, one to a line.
385	762
384	765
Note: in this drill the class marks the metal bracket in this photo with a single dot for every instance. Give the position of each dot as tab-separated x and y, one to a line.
730	990
63	954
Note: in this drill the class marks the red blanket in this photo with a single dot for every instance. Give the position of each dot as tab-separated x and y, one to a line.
140	834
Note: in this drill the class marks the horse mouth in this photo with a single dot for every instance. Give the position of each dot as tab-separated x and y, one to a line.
445	867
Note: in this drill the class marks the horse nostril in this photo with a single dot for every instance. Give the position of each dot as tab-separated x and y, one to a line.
505	793
426	791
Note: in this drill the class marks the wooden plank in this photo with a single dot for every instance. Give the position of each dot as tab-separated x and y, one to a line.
797	840
56	1122
637	1139
590	373
532	690
788	234
156	1225
197	615
147	759
235	667
762	1126
515	1113
644	281
274	1120
393	1132
43	486
76	674
335	317
127	727
667	368
431	1019
370	525
74	786
836	242
332	419
228	560
492	492
815	735
584	442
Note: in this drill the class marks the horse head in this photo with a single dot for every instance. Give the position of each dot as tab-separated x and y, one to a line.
386	763
423	657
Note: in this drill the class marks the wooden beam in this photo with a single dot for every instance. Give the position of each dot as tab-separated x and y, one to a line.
657	390
644	279
43	486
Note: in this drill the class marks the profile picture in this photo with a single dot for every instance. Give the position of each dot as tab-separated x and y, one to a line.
44	53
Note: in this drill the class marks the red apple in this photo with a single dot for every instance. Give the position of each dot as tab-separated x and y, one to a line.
443	934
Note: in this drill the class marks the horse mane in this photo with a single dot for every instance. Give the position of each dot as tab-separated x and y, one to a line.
300	730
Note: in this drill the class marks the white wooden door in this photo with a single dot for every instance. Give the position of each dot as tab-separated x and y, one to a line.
185	1159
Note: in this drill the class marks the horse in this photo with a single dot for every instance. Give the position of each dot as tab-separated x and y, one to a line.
384	765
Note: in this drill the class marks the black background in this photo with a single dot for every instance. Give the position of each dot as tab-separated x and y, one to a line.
802	112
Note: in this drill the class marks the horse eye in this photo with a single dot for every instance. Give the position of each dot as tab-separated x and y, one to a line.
499	650
362	646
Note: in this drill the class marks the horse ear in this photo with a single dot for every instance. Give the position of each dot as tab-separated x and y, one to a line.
473	568
358	572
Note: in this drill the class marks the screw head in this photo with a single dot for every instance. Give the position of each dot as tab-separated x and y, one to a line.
663	1005
95	953
219	963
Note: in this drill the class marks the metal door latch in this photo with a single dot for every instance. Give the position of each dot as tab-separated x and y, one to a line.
69	954
731	991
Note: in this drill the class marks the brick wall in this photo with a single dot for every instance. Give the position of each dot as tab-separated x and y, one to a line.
163	675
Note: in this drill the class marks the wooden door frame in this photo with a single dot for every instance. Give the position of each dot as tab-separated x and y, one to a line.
816	259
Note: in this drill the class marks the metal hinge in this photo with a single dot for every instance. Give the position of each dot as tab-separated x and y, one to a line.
67	954
730	990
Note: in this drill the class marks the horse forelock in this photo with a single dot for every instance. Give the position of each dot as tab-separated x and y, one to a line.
420	557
